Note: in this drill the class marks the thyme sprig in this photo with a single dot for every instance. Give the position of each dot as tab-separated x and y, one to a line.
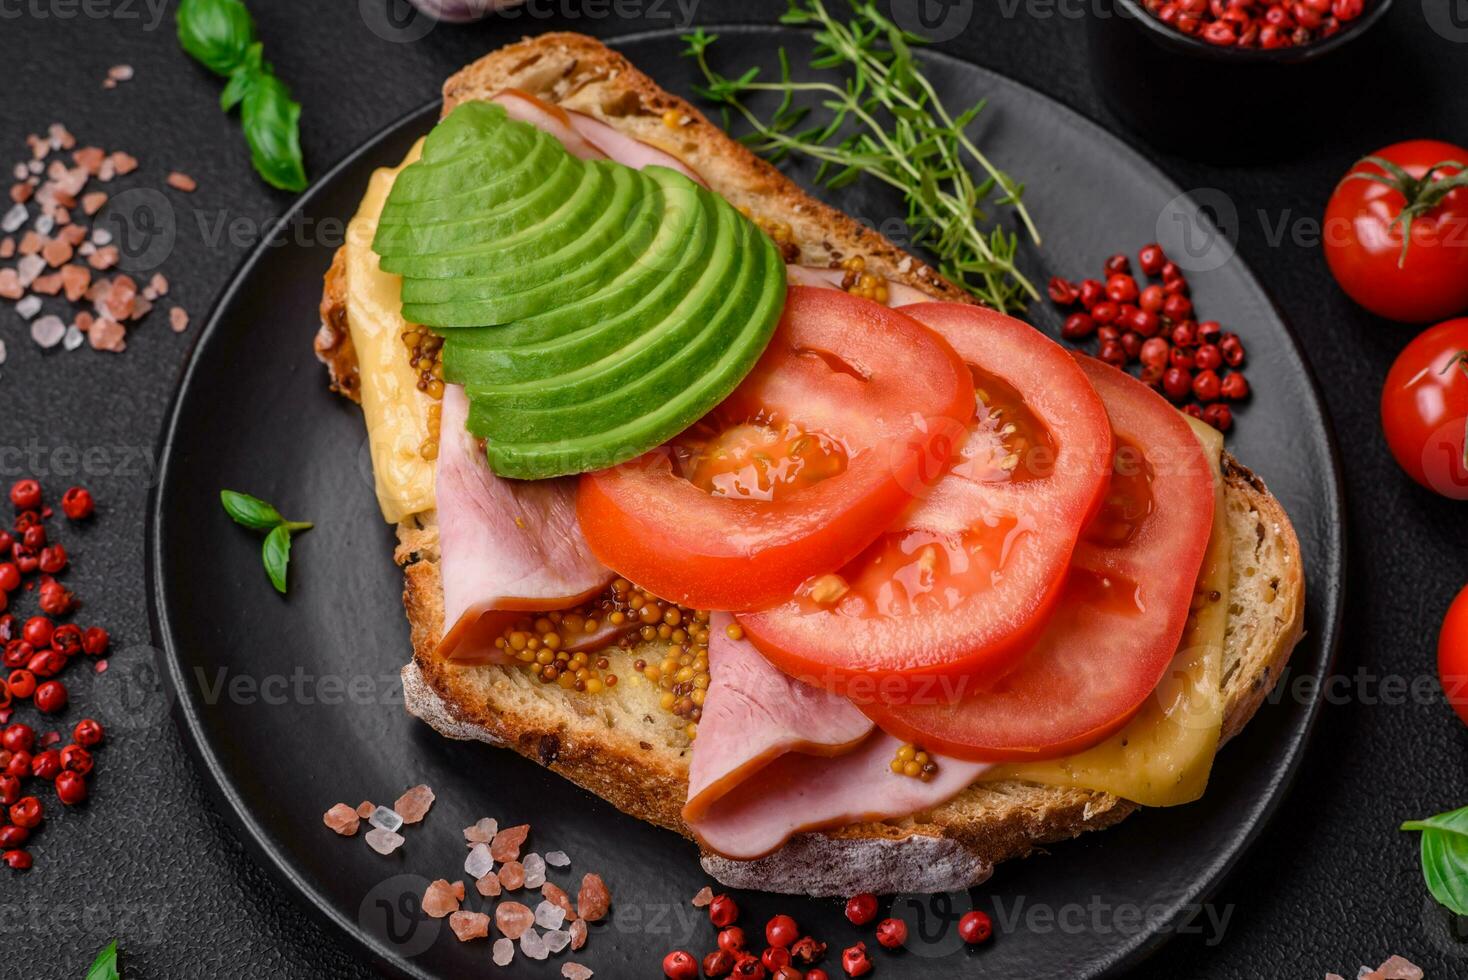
886	121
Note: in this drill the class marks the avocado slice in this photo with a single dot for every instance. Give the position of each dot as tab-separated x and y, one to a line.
607	285
628	440
611	360
507	182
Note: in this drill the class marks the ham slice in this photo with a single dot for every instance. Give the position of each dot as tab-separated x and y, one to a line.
507	547
898	293
753	714
798	793
587	137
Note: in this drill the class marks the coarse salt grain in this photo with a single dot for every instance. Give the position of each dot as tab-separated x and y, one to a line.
342	819
506	843
2	352
532	944
704	898
28	268
512	919
482	832
178	319
558	859
73	337
556	894
469	925
120	73
489	885
45	224
383	841
48	330
593	899
365	808
182	182
439	899
512	875
534	870
549	915
414	803
101	236
386	819
575	971
14	218
578	934
29	306
557	940
478	863
504	952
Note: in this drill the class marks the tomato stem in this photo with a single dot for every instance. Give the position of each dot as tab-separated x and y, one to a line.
1422	194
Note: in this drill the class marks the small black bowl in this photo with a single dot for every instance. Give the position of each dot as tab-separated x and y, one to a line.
1228	104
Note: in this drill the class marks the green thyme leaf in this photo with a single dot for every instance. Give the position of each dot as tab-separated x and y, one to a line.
250	511
885	121
104	967
217	33
276	554
1445	857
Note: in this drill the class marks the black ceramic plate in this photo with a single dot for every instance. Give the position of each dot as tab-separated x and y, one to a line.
292	704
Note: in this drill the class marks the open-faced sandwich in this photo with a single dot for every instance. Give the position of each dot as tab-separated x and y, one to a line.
722	506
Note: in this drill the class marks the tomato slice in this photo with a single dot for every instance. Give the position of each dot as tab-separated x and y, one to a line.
963	582
848	414
1122	611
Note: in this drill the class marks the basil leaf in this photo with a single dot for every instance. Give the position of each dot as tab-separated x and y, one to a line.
272	127
104	967
217	33
1445	857
242	78
249	511
277	556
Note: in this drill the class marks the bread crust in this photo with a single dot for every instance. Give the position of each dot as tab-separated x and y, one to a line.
951	846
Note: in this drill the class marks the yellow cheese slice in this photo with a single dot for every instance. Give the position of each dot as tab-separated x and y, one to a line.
395	410
1164	754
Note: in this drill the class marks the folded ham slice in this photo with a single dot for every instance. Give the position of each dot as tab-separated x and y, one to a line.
797	793
507	547
587	137
753	714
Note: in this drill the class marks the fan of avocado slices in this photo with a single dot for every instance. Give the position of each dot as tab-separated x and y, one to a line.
591	311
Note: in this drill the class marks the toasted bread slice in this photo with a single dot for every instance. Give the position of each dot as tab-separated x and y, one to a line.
619	744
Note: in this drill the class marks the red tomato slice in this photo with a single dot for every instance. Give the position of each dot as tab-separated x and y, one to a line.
849	413
1122	611
962	583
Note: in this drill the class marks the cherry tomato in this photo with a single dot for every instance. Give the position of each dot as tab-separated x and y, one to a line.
966	580
1363	232
1424	408
1125	603
1452	655
852	410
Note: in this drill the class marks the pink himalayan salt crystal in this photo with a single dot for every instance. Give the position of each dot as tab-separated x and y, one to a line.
578	934
575	971
342	819
469	925
504	952
513	919
489	885
178	319
379	839
557	896
593	899
109	335
506	844
512	875
414	804
704	898
459	890
482	832
439	900
1396	968
365	808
